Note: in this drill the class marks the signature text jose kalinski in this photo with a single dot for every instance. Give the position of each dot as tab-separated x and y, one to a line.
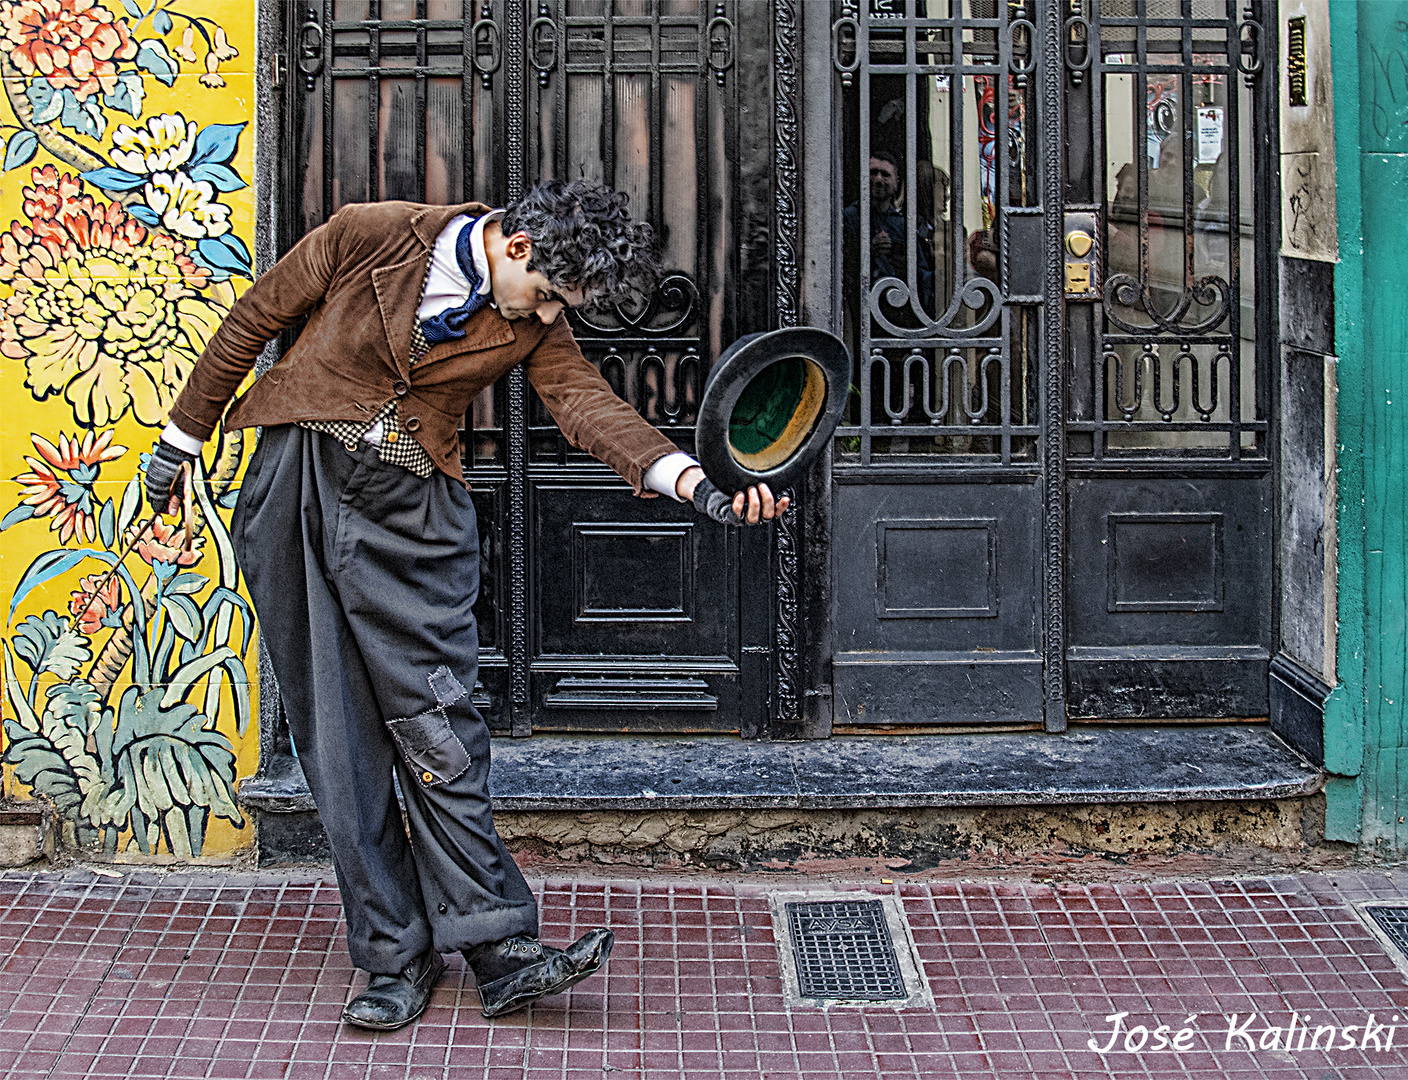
1294	1032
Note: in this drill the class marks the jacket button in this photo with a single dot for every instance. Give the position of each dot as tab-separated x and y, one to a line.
393	436
412	424
443	909
400	388
429	778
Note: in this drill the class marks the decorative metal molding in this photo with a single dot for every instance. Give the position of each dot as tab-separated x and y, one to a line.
787	302
1052	74
516	19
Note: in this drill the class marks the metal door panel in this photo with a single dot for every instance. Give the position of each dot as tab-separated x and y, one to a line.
936	592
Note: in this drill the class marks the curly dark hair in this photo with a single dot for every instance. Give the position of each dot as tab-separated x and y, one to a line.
584	238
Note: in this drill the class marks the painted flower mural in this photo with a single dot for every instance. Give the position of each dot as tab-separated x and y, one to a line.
60	484
102	310
126	688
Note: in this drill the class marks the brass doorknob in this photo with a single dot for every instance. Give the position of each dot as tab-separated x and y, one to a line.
1079	242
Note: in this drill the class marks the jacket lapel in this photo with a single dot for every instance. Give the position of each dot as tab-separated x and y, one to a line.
398	286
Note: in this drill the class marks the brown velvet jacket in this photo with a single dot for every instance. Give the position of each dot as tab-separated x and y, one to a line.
358	278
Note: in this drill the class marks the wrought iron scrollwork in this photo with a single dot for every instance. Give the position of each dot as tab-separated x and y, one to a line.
719	39
542	44
845	44
488	52
676	297
1149	354
310	50
1128	291
978	294
1078	51
935	380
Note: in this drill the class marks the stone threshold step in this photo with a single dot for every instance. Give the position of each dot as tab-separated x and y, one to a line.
1088	764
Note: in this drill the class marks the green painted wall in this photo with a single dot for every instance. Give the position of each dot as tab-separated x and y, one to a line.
1364	729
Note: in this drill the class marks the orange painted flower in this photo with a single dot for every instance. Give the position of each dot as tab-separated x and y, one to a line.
102	310
162	547
95	608
72	43
61	482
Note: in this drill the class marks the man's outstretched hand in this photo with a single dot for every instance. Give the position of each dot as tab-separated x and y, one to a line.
745	508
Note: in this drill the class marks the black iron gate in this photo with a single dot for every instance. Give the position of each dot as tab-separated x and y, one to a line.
1052	496
598	610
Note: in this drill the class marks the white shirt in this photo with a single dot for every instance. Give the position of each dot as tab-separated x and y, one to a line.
446	287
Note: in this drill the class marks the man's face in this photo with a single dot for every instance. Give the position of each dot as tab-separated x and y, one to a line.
521	293
884	183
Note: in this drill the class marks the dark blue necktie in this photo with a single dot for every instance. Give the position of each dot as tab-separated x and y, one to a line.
450	323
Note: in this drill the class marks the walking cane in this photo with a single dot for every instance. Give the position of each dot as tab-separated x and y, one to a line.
185	471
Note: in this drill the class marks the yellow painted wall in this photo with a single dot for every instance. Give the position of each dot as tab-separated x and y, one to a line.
126	231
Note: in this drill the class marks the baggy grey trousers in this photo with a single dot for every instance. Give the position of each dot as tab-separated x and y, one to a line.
364	576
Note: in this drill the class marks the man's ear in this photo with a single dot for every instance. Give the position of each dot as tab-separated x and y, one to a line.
519	246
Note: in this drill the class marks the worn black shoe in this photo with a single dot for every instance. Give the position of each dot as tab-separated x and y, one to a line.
393	1001
517	971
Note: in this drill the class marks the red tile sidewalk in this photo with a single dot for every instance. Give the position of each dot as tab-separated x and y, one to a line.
228	975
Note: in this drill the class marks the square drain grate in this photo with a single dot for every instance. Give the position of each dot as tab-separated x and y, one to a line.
1393	921
844	952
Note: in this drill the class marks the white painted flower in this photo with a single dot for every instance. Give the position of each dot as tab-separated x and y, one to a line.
187	207
166	143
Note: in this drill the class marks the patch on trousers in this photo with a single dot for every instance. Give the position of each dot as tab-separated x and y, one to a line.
427	741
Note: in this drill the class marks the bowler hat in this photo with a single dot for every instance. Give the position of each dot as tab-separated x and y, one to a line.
770	405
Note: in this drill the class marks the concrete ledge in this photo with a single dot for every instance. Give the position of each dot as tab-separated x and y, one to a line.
1089	764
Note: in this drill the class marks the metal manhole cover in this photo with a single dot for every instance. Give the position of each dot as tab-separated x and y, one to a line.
844	952
1393	921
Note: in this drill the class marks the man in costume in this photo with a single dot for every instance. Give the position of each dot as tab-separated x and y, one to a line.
359	546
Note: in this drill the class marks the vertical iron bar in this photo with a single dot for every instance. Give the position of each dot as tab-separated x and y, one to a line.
1231	146
374	192
1100	197
328	82
863	308
470	124
787	632
516	421
422	169
1052	79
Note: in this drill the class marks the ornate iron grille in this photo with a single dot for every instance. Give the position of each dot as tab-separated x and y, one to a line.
631	93
1168	365
941	267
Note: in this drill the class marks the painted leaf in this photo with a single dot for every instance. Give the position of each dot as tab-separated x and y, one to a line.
18	702
45	101
49	566
70	652
36	637
184	615
15	516
131	503
112	179
107	523
145	214
133	8
187	583
221	176
226	253
216	143
154	58
161	22
128	94
40	765
72	712
84	117
21	149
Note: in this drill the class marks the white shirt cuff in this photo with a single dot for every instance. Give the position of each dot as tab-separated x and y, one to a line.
665	473
174	436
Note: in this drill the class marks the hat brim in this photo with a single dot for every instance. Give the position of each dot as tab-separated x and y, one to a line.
770	405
